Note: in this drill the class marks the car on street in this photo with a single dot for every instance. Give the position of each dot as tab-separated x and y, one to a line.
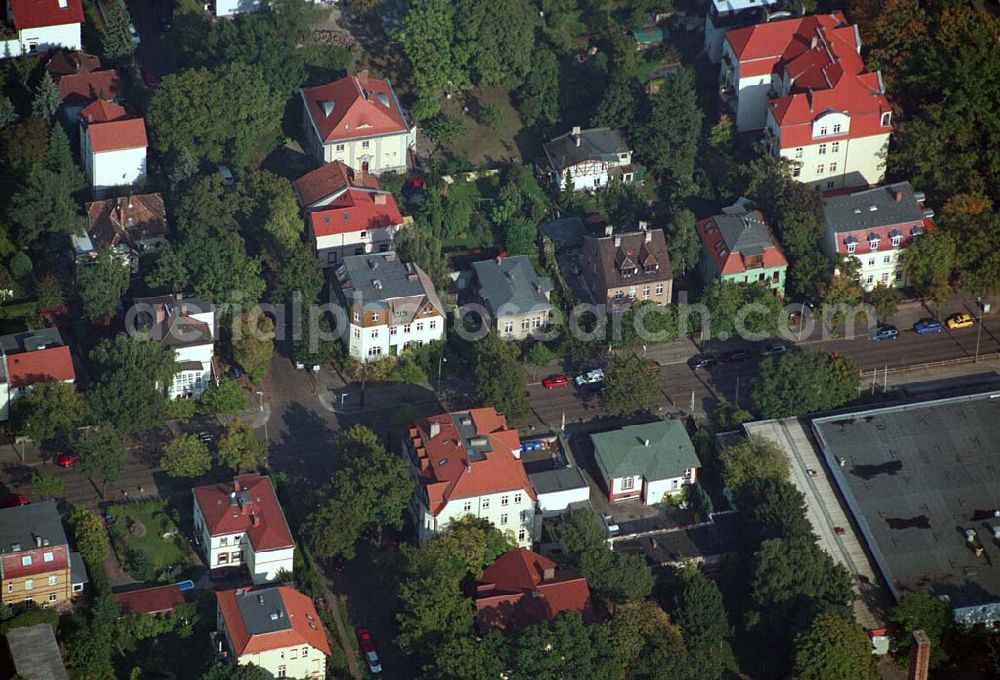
774	349
13	500
885	332
961	320
734	356
702	361
135	34
554	381
67	460
368	649
592	377
928	325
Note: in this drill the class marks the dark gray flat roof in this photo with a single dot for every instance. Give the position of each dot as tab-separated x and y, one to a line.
917	477
20	526
263	611
560	479
36	653
29	341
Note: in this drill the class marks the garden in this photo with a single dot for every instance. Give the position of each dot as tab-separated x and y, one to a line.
147	541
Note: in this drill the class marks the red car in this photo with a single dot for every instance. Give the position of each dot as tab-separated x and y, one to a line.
554	381
368	649
13	500
67	460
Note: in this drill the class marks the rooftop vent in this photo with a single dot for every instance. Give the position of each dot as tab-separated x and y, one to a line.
645	442
15	547
442	461
872	208
327	107
384	98
260	599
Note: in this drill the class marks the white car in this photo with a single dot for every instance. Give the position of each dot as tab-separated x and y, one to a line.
135	34
590	377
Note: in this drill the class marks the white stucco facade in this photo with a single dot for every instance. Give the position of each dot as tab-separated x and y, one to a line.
114	168
42	39
370	343
374	154
555	502
595	174
191	382
747	95
512	512
299	661
649	491
331	249
235	549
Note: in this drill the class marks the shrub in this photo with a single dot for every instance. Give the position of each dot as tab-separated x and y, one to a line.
443	129
491	116
138	564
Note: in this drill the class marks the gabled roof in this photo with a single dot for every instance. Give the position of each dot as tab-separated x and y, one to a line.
35	653
356	210
176	321
69	62
467	454
523	588
156	600
128	220
655	451
731	239
381	281
117	135
353	107
329	181
86	86
642	248
571	148
246	505
512	282
37	356
259	620
39	13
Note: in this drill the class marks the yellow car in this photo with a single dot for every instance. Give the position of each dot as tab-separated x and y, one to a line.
956	321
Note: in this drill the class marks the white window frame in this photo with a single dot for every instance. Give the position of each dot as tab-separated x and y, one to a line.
628	483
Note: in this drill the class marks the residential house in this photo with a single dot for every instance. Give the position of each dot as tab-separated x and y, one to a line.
589	159
81	81
623	268
739	247
29	358
112	146
725	15
875	226
186	327
128	225
804	82
242	524
391	305
559	489
34	556
645	462
275	628
514	295
36	26
469	463
358	120
66	62
320	187
523	588
34	653
707	545
151	601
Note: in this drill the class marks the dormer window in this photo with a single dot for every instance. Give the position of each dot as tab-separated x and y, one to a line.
650	268
886	119
851	246
873	243
896	238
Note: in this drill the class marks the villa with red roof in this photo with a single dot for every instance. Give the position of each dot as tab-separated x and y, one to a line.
242	524
738	246
523	588
29	358
112	145
358	120
276	628
804	82
469	463
42	25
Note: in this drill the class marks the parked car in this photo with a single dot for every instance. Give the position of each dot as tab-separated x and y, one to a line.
368	649
885	332
702	361
735	356
67	460
590	377
554	381
962	320
135	34
13	500
774	349
928	325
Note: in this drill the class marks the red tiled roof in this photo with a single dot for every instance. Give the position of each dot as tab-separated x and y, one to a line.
117	135
14	567
355	210
69	62
329	180
101	111
362	107
78	88
728	261
39	13
515	591
259	516
862	236
53	364
151	600
447	472
299	607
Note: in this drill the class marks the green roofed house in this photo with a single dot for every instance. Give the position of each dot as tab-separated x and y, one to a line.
647	461
647	37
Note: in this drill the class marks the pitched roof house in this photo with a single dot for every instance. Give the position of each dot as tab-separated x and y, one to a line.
188	328
523	588
112	146
355	223
515	296
276	628
30	358
359	121
623	268
155	600
589	159
739	246
469	463
129	225
319	187
35	566
79	89
42	25
68	62
646	461
242	524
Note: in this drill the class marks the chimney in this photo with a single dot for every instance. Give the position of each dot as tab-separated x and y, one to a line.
435	429
649	237
920	656
609	230
576	134
380	199
645	442
898	196
468	466
236	484
255	519
38	541
643	225
548	573
814	42
260	600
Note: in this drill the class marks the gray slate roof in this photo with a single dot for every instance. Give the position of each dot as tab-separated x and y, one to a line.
853	211
560	479
20	526
29	341
378	279
513	282
36	653
623	452
263	611
745	233
596	144
77	569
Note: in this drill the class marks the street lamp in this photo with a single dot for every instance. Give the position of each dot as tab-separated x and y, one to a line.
979	332
441	361
260	401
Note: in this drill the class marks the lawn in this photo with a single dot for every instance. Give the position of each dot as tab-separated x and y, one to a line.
483	145
148	542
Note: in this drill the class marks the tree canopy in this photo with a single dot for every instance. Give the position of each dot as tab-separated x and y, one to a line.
499	376
102	455
804	382
633	386
753	459
239	448
834	648
186	456
131	375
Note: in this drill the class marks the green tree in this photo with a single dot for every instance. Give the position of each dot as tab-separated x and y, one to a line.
930	261
538	355
275	218
47	486
90	537
7	113
499	377
538	97
777	509
919	610
226	397
834	648
785	570
186	456
20	266
116	43
239	449
102	455
739	309
619	108
753	459
102	283
50	410
804	382
633	631
520	236
683	242
253	343
564	648
416	245
427	41
633	386
130	376
618	577
885	300
468	658
241	671
668	142
722	135
89	647
494	43
25	141
47	100
298	273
